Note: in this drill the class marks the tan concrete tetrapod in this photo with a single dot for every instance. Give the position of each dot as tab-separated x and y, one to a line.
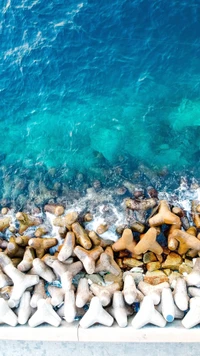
96	314
192	318
148	315
7	316
44	314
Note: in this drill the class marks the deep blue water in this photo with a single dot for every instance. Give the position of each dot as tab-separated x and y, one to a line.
103	88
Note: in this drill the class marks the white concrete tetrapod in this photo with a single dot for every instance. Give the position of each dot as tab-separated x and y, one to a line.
104	293
57	295
20	280
7	316
88	258
68	247
38	293
5	280
42	270
129	290
168	306
178	314
69	306
96	314
60	268
106	263
180	294
27	261
193	278
44	314
24	310
192	317
148	315
194	291
118	309
83	294
153	290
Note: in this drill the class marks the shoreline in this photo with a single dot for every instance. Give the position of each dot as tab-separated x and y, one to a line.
124	243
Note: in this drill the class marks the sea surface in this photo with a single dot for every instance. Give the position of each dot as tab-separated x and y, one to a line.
96	92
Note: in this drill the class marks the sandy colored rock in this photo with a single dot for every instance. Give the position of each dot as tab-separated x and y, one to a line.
110	278
155	277
167	271
149	257
153	266
95	278
132	262
173	261
183	268
173	277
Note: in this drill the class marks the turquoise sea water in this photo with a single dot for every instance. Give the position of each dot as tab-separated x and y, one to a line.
105	90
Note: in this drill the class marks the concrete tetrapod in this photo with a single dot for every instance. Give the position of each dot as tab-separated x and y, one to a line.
42	270
104	293
38	293
7	316
20	280
57	295
148	243
152	290
88	258
69	306
24	310
83	294
68	247
44	314
180	294
148	315
96	314
168	307
193	278
118	309
129	290
192	318
164	216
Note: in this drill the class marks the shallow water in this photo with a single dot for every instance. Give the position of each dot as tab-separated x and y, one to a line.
98	90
